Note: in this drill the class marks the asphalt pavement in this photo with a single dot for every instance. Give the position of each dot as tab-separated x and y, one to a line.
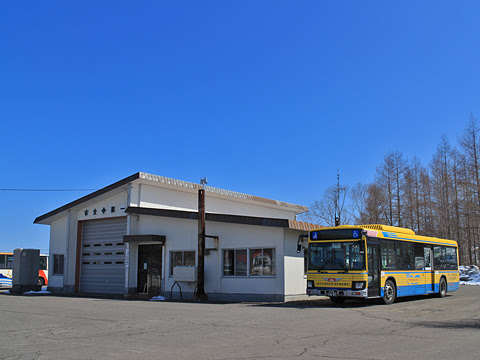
55	327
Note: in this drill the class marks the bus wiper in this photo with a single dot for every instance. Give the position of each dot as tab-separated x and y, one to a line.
321	267
344	266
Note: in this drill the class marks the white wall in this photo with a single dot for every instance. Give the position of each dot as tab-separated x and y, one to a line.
117	200
157	197
58	245
181	234
295	281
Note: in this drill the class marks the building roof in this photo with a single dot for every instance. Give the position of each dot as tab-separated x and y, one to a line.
171	182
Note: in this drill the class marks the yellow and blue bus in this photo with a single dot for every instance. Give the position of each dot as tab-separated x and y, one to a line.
379	261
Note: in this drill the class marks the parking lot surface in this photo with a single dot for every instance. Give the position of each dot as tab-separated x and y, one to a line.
53	327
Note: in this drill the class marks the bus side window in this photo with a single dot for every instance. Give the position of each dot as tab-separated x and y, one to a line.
419	257
439	257
389	256
451	258
43	263
9	264
408	256
2	261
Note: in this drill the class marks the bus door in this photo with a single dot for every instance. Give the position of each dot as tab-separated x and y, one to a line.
373	256
429	273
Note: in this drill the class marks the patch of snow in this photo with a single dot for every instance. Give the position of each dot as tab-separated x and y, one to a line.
158	298
469	275
43	291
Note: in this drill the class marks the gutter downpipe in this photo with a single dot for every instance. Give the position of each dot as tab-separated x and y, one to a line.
127	245
67	255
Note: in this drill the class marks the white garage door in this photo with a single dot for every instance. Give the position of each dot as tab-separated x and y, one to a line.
102	266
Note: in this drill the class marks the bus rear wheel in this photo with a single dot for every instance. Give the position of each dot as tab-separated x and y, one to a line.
442	288
41	282
389	292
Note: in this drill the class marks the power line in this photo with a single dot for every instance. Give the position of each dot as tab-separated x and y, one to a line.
47	189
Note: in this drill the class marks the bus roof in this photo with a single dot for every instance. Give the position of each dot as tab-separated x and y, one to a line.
392	233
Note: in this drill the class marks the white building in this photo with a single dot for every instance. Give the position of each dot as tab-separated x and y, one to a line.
128	237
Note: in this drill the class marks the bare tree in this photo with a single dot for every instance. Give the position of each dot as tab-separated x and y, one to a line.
469	143
330	206
367	204
385	181
359	202
442	186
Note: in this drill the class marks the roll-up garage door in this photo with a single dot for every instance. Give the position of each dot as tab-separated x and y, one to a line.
102	266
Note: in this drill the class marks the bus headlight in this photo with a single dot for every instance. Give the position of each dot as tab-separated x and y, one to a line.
310	284
358	285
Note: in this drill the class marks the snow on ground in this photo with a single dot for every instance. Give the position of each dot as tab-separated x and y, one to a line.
469	275
43	291
158	298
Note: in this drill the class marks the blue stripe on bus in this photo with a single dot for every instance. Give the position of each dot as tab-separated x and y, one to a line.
388	235
406	290
410	290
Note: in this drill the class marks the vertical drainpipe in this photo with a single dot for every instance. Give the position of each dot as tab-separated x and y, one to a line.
67	253
127	245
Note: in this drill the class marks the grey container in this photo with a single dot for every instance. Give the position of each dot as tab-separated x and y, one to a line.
26	263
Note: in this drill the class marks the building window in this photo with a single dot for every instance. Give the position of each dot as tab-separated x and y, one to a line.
262	262
58	264
235	262
181	258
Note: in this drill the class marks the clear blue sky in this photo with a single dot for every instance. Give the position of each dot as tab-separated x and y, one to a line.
263	97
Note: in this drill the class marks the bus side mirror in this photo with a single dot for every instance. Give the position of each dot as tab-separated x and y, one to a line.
301	237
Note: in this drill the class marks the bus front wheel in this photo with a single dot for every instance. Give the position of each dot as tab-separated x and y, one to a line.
442	288
41	282
337	299
389	292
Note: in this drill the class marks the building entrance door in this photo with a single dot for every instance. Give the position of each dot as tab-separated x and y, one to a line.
149	269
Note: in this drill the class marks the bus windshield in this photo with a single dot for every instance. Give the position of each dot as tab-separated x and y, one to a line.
336	256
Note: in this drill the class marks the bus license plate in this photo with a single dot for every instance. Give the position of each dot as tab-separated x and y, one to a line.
332	293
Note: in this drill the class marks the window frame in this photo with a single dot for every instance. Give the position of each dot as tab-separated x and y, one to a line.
56	265
183	259
234	266
249	259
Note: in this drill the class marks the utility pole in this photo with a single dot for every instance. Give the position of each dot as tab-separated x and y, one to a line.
337	200
200	294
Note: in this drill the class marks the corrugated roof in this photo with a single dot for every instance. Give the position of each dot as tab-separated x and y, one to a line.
213	190
179	183
299	225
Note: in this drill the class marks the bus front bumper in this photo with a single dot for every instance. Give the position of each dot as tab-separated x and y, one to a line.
338	292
